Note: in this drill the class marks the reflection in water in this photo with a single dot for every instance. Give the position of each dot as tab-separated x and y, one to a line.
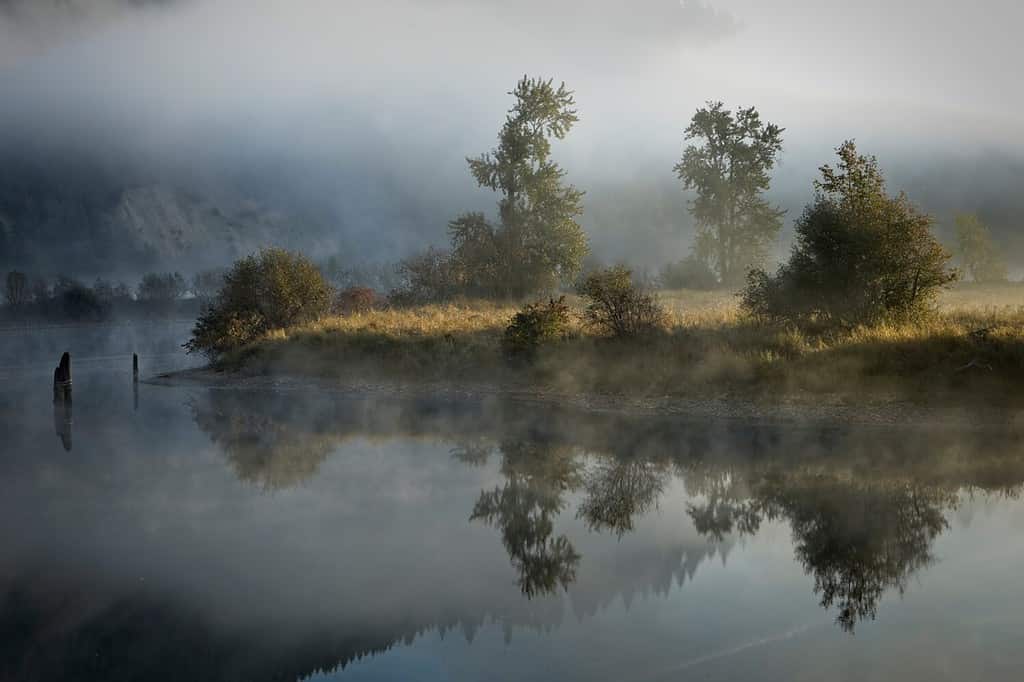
537	476
864	509
274	450
619	491
858	539
62	422
859	534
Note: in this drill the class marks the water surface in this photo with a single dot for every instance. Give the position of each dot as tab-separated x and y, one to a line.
213	534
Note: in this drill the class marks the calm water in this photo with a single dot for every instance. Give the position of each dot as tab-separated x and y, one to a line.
212	534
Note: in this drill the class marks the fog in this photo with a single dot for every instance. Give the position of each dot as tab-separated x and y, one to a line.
342	127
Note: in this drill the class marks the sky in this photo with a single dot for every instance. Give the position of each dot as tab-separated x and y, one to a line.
416	86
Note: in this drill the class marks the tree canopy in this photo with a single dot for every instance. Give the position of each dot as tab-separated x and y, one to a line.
536	242
730	173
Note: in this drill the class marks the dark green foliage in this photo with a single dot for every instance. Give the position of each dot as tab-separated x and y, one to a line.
536	324
537	242
730	172
860	255
617	306
428	277
273	289
689	273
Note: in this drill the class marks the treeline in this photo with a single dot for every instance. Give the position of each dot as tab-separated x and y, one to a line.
861	254
535	244
33	298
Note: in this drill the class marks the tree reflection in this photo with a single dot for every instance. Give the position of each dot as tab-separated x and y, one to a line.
857	539
524	508
861	541
863	519
274	451
727	507
620	490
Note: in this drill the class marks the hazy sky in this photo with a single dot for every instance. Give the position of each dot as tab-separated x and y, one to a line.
417	85
869	69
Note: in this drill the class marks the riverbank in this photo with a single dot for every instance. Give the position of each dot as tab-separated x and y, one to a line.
818	410
970	352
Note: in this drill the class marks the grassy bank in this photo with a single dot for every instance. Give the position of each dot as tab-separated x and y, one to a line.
973	348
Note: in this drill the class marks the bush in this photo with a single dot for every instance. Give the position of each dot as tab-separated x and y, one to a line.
355	300
273	289
860	255
619	307
428	277
689	273
536	324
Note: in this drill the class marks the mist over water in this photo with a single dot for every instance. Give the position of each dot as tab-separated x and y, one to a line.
288	533
256	526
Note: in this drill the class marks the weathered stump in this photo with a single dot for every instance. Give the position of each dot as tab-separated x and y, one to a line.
62	380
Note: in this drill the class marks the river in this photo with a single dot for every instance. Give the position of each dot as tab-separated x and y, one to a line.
212	533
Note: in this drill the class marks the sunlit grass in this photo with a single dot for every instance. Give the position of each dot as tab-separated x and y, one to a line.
973	345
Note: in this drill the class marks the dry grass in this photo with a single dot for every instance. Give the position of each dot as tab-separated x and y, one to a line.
972	348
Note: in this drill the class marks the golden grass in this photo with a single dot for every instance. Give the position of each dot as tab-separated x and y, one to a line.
973	347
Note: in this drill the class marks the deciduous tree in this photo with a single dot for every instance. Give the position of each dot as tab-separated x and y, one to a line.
536	241
729	171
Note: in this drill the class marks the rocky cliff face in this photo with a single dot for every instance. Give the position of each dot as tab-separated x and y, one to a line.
171	224
89	226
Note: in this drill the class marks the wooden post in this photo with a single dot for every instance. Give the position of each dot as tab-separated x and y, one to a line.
62	380
135	367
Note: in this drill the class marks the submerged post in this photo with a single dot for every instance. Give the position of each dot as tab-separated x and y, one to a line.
135	367
62	380
62	422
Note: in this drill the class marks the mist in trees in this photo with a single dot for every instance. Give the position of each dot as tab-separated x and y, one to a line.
729	169
979	255
33	299
536	242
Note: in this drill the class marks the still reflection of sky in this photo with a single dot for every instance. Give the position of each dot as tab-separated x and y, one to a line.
297	535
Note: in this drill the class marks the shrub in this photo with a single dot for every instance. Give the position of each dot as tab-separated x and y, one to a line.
427	277
860	255
619	307
355	300
689	273
536	324
273	289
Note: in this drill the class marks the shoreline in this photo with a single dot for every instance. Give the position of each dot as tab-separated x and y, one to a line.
792	409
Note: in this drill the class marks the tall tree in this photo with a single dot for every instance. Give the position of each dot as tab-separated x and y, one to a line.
536	241
978	253
729	171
